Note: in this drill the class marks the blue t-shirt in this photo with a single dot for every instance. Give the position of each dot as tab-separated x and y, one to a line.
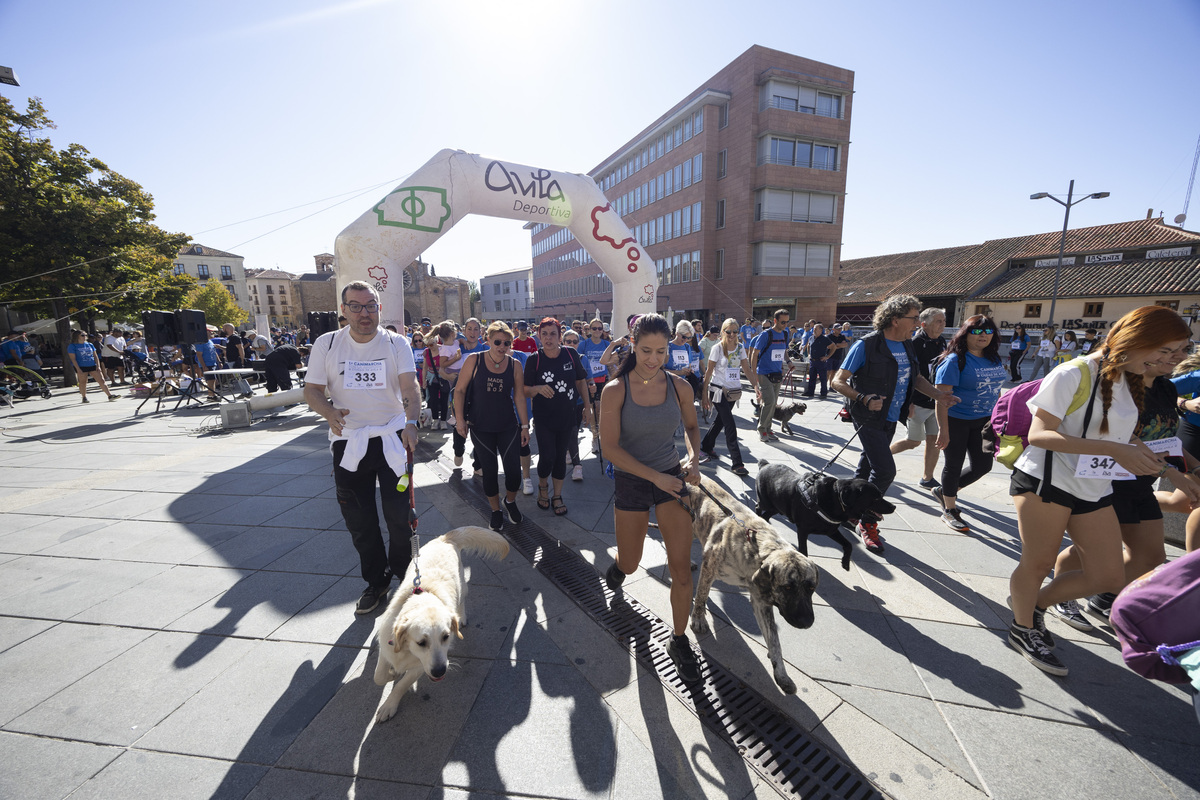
772	349
207	352
679	356
857	357
1019	343
1187	386
747	334
85	354
590	352
977	386
12	350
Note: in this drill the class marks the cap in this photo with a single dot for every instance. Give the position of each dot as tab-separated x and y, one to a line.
714	329
523	325
425	321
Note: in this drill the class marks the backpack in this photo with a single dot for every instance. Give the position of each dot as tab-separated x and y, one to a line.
1157	619
1011	417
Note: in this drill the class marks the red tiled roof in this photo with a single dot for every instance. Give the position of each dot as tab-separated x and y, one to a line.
1123	278
964	270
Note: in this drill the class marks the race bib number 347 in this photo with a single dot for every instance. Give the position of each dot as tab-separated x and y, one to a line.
365	375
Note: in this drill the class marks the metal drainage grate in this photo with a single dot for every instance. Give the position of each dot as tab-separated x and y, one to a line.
768	740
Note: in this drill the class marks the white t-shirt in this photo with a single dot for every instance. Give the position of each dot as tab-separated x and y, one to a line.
1054	395
1046	348
724	368
371	387
113	346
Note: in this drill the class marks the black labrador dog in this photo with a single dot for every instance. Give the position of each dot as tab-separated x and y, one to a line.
817	503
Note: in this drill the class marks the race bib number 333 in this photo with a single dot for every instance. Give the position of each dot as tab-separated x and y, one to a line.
365	375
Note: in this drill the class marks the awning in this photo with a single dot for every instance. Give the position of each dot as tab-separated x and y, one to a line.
42	326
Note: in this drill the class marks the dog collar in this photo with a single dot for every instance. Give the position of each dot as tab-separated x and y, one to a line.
825	517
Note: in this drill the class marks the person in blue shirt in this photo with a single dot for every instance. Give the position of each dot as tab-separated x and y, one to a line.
207	359
1187	383
877	377
592	349
749	332
82	356
767	358
1017	349
12	351
973	370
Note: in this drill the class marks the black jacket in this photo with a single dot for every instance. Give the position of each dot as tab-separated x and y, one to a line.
878	375
927	349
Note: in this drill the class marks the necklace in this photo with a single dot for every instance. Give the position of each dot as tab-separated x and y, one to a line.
494	362
644	380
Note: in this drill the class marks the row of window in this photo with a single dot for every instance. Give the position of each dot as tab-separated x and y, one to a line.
556	239
777	204
202	271
682	268
576	287
673	180
793	259
797	153
682	132
270	290
564	262
228	286
511	305
509	287
671	225
804	99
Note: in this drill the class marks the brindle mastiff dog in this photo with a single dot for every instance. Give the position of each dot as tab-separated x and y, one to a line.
744	550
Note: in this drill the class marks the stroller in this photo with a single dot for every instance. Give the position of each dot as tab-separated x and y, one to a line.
139	366
23	384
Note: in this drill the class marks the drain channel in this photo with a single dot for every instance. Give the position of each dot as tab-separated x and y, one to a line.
770	742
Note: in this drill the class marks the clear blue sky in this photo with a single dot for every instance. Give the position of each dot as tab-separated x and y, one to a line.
227	111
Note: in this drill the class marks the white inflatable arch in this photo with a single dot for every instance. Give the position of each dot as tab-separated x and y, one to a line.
378	245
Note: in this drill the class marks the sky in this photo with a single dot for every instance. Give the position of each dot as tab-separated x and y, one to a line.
266	128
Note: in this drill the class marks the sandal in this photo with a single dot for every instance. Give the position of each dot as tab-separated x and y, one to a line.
543	500
560	508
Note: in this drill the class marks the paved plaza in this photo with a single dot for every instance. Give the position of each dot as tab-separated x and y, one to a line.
176	621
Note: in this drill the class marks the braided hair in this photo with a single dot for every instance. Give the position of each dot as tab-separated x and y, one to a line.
1143	328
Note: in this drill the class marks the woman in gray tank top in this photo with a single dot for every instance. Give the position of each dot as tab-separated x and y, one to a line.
639	412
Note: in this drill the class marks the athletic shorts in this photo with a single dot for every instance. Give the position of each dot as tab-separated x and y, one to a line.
638	494
1022	482
92	368
112	362
1134	501
922	423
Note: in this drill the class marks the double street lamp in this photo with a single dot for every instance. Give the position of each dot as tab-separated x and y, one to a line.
1062	244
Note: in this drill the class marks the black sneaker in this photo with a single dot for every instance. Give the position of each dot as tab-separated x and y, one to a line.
514	514
1029	643
371	598
614	577
497	520
1039	624
930	484
707	456
680	651
937	495
1100	605
1069	612
954	521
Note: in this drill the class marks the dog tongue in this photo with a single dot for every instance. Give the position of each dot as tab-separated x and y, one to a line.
436	679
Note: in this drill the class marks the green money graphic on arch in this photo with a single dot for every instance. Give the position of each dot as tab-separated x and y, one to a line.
421	208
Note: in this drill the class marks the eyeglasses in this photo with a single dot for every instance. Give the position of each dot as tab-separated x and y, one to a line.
358	308
418	341
594	328
981	331
502	342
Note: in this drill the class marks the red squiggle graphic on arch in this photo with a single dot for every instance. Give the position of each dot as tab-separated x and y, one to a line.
596	212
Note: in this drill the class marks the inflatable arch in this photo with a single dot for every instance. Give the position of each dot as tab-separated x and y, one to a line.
378	245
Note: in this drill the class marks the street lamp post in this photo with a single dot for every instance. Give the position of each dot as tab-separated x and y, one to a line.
1062	244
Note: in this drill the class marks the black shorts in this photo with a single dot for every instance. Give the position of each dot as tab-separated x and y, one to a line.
638	494
92	368
112	362
1023	482
1134	501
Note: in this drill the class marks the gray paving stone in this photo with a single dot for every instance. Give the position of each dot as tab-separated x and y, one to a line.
977	553
245	485
12	523
164	598
492	613
253	548
36	768
255	709
512	741
531	590
605	664
45	664
79	503
292	784
328	617
48	532
412	747
183	508
14	630
250	511
138	773
320	512
120	701
257	605
170	542
102	542
914	589
1021	757
1176	765
327	552
63	595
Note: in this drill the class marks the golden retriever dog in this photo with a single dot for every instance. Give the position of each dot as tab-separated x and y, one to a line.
743	549
416	631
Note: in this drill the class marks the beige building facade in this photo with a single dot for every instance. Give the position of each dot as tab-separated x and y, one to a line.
207	264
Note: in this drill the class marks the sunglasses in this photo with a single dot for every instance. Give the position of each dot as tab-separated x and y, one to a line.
597	329
501	342
980	331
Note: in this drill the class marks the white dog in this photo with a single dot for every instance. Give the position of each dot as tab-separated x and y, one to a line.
425	418
415	632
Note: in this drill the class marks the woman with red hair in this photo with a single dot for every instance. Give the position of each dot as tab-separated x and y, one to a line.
1049	495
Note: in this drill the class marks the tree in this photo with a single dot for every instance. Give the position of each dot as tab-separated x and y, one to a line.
473	286
74	233
217	304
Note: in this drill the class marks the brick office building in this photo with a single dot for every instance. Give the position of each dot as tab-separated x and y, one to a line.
735	192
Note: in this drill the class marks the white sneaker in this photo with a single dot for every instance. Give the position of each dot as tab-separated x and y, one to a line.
450	422
577	472
527	486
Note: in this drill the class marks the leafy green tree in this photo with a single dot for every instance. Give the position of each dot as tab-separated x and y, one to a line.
74	233
217	304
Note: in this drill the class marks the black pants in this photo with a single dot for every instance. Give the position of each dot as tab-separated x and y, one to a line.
504	447
439	398
724	421
1189	434
1014	364
876	463
817	372
356	498
278	379
966	441
552	451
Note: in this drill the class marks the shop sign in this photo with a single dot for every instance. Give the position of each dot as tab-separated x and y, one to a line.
1170	252
1106	258
1069	261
